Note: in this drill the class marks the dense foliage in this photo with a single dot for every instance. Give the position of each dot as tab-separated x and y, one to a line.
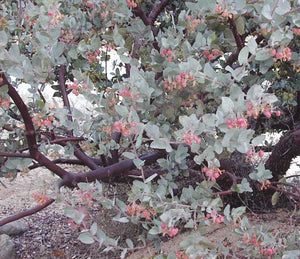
182	116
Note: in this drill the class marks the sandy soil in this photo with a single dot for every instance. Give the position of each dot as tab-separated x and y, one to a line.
50	234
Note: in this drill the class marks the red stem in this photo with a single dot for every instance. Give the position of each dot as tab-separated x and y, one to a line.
238	39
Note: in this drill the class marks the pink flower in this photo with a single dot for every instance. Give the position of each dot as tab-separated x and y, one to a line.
206	53
173	232
47	122
278	113
267	113
146	214
279	55
163	225
273	52
250	152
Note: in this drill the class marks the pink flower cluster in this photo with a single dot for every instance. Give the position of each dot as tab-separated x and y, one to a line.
212	173
89	4
223	11
296	31
4	102
42	121
30	23
134	209
125	93
284	55
269	252
67	36
131	3
254	240
85	195
104	13
181	255
240	122
171	232
215	217
260	153
180	81
77	88
93	56
194	23
40	198
51	13
211	55
125	128
168	53
189	138
255	111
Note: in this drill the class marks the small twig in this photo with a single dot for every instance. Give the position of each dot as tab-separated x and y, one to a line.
292	176
287	184
292	11
20	9
274	8
223	192
42	96
3	184
297	197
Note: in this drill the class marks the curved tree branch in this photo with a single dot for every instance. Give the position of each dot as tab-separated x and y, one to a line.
104	174
115	170
26	213
30	132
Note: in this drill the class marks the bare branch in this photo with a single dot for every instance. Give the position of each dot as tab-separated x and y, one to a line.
7	154
295	196
223	192
115	170
84	158
294	188
62	84
297	9
238	39
26	213
156	10
138	12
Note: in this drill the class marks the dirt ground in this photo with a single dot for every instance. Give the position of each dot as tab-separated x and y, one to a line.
50	234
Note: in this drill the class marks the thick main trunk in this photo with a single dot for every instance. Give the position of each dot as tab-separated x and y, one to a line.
284	151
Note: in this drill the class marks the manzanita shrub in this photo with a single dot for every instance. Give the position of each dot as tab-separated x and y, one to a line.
181	118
